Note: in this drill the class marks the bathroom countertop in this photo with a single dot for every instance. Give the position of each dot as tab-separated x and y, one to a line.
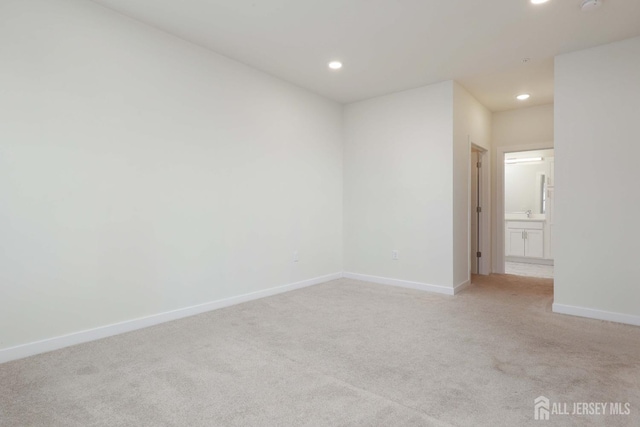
526	219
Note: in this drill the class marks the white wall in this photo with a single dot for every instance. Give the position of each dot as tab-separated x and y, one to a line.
597	94
398	185
141	174
471	124
511	130
407	183
522	126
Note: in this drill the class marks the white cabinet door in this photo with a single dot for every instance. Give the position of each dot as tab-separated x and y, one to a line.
534	244
515	242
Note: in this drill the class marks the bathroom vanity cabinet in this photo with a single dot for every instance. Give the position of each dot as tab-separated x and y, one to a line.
525	239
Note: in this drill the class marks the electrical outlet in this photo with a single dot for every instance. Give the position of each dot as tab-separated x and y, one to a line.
394	255
296	257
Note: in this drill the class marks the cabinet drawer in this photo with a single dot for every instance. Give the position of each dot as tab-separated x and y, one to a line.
527	225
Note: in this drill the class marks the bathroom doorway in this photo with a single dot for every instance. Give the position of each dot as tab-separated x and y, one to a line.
528	209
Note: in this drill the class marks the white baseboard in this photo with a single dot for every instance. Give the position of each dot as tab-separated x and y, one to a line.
596	314
30	349
400	283
461	287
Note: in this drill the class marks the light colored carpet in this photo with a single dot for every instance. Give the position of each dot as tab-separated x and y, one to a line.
337	354
530	270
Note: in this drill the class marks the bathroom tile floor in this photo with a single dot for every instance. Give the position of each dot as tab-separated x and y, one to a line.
531	270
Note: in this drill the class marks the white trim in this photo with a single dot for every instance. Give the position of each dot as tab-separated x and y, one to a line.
56	343
461	287
498	226
591	313
400	283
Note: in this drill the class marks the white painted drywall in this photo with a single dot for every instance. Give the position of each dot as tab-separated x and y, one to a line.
597	203
530	127
471	124
522	126
141	174
398	185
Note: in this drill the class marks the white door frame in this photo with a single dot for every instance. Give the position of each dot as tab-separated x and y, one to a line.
498	226
485	203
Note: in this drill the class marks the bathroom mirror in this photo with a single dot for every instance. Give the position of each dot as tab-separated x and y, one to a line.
525	183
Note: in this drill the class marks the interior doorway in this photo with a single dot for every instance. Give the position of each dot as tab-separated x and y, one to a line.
479	212
528	194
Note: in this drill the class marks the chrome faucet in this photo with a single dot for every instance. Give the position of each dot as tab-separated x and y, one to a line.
528	213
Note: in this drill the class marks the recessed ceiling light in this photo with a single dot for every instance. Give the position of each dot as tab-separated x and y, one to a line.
335	65
523	96
539	1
